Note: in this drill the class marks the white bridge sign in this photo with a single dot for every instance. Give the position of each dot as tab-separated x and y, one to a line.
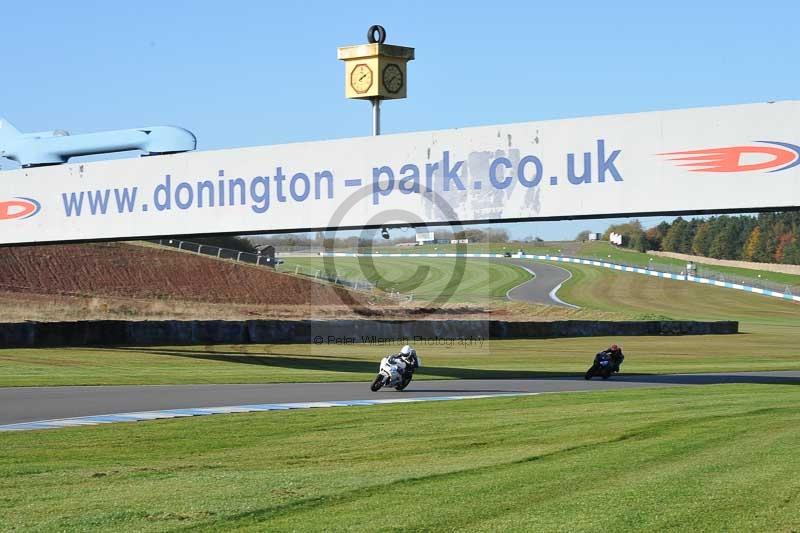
733	158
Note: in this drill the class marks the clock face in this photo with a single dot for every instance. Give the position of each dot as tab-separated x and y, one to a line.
361	78
393	78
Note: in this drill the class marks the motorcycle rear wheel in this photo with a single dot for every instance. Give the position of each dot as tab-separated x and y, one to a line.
377	383
403	384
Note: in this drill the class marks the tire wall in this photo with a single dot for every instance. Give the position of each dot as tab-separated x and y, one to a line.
172	332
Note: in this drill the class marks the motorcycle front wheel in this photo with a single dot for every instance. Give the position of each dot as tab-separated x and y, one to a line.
589	374
377	383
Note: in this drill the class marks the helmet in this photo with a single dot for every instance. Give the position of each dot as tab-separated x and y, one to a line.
406	350
614	347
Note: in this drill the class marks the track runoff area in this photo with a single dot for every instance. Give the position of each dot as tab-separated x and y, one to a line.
36	408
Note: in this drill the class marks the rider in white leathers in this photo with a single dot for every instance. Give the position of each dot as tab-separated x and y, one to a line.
407	360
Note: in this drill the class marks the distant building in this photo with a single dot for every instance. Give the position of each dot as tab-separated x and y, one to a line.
594	236
426	237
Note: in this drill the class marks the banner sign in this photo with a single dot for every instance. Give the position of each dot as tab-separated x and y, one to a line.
733	158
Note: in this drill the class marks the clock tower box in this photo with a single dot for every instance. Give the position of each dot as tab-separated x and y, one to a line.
375	70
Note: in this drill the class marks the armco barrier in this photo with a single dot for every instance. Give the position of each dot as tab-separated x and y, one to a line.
173	332
602	264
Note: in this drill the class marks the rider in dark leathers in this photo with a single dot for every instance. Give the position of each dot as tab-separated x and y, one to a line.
616	356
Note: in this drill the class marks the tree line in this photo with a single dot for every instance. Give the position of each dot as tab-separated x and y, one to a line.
766	238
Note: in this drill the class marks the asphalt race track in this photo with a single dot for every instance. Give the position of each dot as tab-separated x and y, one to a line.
542	288
29	404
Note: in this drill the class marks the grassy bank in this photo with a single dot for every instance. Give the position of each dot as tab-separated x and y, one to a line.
604	251
636	294
471	248
426	279
716	458
762	348
600	250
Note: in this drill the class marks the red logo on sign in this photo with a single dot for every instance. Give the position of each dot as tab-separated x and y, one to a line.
779	156
19	208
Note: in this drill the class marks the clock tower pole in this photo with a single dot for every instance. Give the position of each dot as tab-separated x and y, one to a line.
375	71
376	116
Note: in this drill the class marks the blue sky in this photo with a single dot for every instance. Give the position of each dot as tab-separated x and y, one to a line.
251	73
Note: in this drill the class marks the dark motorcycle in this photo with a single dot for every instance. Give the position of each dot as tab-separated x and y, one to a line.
602	366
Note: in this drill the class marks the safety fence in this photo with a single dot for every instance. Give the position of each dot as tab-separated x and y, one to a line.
786	294
216	251
317	273
355	284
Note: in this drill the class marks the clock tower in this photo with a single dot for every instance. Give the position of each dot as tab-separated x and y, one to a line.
375	70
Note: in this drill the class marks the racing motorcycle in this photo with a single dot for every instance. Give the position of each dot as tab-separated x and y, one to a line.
602	366
391	375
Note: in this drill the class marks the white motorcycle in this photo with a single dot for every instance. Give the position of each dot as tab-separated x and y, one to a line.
393	372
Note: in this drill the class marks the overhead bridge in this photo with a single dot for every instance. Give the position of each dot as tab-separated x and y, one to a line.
742	158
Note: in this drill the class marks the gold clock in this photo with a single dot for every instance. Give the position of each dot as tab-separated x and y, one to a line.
361	78
375	71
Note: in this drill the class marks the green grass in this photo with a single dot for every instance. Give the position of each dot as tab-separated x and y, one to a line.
602	251
596	288
425	279
474	248
763	347
714	458
639	295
